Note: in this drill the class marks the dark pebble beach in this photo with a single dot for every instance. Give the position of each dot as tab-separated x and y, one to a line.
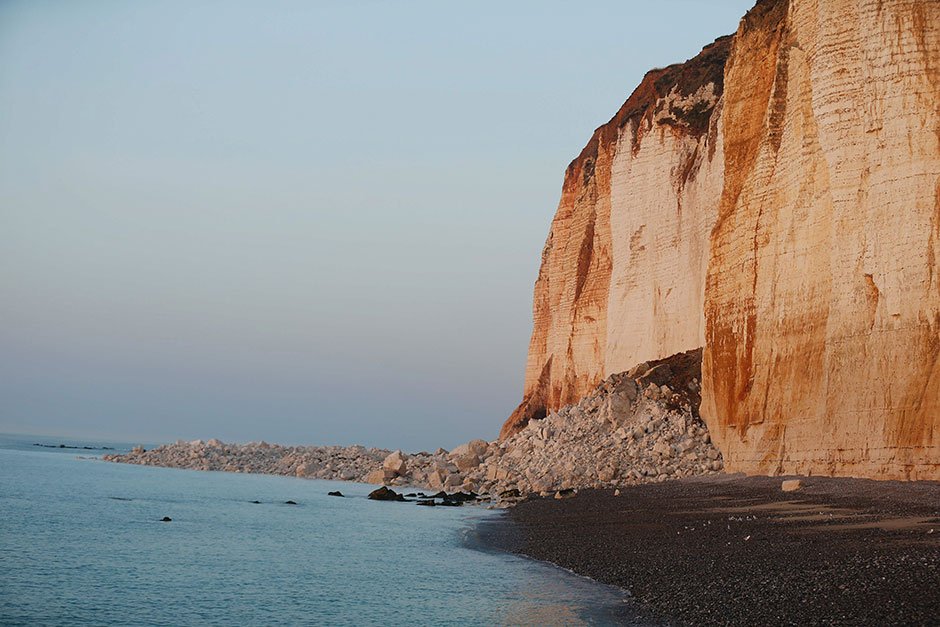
735	550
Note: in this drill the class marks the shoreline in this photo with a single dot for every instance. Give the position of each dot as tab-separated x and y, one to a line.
738	550
499	534
615	607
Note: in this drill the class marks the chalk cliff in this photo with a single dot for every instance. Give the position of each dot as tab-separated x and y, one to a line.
775	200
822	303
623	269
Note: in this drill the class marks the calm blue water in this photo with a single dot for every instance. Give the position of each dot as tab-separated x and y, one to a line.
81	543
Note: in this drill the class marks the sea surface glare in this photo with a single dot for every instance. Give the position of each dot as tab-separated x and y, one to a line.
82	543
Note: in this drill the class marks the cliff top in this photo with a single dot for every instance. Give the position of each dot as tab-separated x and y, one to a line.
706	67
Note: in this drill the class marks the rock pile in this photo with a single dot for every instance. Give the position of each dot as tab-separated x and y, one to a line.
635	427
630	429
342	463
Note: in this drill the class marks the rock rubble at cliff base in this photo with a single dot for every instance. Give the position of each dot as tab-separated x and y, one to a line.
633	428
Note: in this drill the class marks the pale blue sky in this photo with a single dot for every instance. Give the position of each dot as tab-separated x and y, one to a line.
299	221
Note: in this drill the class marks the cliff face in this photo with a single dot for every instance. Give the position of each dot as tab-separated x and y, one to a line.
777	201
822	344
636	208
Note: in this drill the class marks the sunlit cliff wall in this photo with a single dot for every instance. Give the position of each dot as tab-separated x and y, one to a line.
822	304
777	201
623	269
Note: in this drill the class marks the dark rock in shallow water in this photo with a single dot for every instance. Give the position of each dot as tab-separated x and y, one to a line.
462	497
384	494
166	519
411	494
336	493
439	495
449	503
257	502
509	494
290	502
427	502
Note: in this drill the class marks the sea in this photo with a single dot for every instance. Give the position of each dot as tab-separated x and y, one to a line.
82	542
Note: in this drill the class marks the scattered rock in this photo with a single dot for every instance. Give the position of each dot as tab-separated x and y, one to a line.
336	493
166	519
385	494
791	485
290	502
608	473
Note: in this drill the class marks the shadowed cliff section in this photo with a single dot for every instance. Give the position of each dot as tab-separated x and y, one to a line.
570	337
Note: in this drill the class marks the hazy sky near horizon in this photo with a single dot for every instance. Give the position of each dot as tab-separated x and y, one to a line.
305	222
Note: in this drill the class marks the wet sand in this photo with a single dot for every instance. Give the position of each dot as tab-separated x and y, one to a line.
736	550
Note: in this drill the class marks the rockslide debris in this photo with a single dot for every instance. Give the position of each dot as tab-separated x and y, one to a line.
635	427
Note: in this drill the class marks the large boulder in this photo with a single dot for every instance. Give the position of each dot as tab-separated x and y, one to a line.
395	462
478	447
436	479
378	476
457	451
467	462
616	408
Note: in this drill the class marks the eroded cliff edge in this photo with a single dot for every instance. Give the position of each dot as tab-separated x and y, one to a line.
776	200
